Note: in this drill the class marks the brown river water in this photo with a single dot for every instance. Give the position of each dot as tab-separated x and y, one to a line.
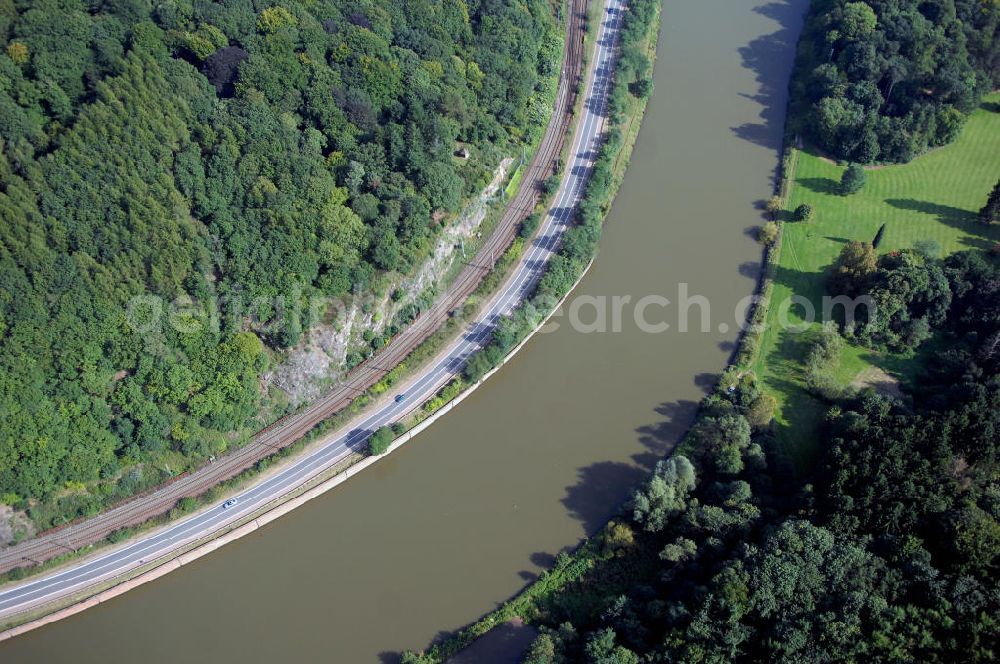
460	519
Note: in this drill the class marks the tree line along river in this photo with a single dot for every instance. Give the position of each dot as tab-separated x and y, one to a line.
460	519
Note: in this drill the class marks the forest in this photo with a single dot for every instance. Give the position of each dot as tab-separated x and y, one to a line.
884	80
247	154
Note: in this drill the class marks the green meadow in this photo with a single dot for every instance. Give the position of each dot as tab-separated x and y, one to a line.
934	197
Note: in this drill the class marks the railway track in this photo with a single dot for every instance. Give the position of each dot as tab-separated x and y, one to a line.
290	428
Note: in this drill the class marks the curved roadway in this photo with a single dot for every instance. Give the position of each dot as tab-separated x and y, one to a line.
584	149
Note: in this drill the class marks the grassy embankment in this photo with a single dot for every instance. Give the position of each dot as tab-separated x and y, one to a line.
935	197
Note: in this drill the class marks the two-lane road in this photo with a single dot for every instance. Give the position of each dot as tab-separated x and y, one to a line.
337	446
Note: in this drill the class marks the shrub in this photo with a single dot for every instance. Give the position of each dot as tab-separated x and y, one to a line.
878	237
529	225
823	358
803	212
728	461
380	441
773	207
680	550
665	493
853	179
761	411
551	184
120	535
768	233
10	498
853	268
928	248
617	538
991	211
642	88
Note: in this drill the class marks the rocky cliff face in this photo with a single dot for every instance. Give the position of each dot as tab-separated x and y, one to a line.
320	358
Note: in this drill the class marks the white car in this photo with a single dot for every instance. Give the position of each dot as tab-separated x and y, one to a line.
229	503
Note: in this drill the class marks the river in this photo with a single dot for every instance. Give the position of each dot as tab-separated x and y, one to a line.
461	518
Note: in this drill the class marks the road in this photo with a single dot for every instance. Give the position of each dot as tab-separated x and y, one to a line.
586	142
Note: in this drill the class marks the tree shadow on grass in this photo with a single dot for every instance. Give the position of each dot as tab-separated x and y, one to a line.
820	185
798	430
978	235
947	214
910	370
809	285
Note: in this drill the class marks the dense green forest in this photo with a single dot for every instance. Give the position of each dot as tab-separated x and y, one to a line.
888	552
235	152
884	80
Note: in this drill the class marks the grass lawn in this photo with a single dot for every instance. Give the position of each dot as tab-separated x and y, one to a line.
936	197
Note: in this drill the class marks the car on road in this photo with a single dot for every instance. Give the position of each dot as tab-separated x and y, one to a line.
400	398
229	503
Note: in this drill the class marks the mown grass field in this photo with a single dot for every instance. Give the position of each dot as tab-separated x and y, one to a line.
935	197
